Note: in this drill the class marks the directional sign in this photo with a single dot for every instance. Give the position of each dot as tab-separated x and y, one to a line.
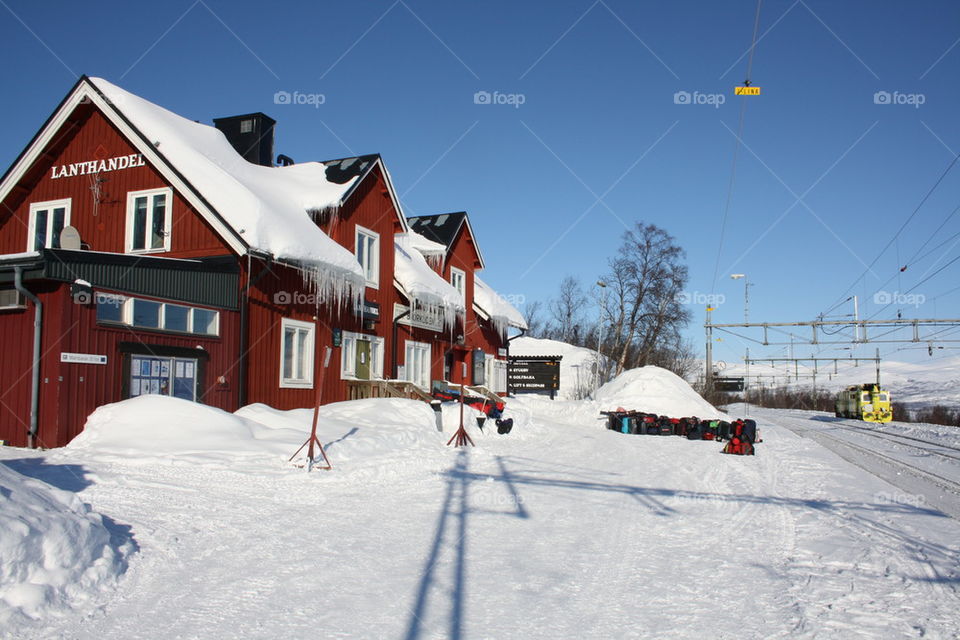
728	384
533	373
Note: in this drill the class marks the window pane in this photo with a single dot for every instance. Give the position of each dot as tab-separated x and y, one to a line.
146	313
159	221
362	251
175	317
302	354
40	232
139	223
205	322
109	308
59	215
289	335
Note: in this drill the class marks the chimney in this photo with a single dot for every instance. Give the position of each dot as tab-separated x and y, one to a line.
251	135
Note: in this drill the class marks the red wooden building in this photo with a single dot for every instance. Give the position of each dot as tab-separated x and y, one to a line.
141	252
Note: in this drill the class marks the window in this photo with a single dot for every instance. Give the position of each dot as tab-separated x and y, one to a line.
417	364
246	126
109	307
296	354
175	377
496	375
148	220
459	281
368	255
47	220
361	356
11	299
146	313
151	314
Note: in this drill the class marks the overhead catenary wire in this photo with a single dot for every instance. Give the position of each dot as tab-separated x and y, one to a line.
736	148
903	226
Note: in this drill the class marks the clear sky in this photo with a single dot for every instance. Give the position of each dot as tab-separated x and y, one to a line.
581	129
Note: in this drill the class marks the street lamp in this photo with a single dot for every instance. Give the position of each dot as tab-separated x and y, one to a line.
746	295
603	306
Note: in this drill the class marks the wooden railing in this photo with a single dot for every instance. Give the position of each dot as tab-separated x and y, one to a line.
362	389
485	392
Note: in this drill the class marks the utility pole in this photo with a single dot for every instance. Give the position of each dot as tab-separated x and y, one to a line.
708	374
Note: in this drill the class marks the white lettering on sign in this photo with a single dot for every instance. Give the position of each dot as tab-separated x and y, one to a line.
97	166
83	358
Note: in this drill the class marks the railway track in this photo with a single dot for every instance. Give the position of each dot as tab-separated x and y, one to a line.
898	438
943	482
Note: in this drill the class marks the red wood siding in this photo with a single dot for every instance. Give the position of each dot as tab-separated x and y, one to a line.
90	137
69	392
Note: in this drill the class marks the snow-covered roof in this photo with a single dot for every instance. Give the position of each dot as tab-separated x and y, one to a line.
502	314
428	248
268	207
421	284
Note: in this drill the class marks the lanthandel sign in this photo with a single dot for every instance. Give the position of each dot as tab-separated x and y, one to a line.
97	166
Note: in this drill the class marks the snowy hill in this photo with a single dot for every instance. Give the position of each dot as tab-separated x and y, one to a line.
916	384
655	390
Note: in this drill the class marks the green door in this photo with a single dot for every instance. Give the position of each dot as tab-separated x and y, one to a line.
363	359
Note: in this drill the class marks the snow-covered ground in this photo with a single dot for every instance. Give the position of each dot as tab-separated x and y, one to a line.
559	529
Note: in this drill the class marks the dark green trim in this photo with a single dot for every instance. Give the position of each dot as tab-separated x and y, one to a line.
211	282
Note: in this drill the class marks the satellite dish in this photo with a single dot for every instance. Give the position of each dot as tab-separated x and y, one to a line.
70	239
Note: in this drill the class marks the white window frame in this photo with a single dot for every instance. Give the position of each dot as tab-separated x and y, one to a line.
371	268
348	355
49	205
461	276
149	194
308	347
419	377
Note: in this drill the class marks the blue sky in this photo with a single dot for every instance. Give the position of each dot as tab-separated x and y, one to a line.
824	179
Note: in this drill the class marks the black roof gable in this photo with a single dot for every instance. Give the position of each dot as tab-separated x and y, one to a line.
342	170
442	228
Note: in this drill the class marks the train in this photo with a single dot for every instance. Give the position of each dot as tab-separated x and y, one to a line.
867	402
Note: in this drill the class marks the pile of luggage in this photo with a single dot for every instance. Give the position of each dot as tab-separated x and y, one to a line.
740	435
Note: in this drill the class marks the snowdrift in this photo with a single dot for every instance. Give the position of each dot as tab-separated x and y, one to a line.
154	427
54	552
655	390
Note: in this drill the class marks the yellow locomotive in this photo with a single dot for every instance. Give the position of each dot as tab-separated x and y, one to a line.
864	402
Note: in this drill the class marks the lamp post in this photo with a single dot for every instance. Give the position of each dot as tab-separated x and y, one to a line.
603	306
746	295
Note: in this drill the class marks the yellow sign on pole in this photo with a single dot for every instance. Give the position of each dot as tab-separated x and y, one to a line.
746	91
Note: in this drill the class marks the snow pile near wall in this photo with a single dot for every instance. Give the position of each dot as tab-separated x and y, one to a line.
267	206
257	437
54	552
655	390
577	372
502	313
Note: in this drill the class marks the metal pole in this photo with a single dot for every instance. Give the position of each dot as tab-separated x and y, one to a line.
708	374
746	382
603	306
856	320
878	366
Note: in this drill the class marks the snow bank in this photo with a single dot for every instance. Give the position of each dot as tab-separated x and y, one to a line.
54	552
267	206
148	428
655	390
577	368
502	313
155	426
